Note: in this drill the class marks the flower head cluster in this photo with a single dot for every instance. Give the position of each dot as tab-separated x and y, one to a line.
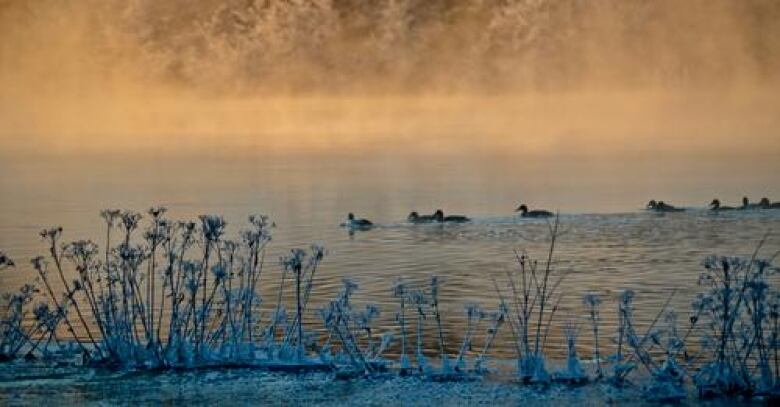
212	227
131	255
51	234
294	261
81	251
130	220
159	232
157	211
259	233
39	264
110	216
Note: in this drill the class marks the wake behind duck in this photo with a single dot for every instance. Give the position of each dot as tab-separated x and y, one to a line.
661	206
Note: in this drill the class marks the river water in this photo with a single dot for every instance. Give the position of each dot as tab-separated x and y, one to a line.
608	242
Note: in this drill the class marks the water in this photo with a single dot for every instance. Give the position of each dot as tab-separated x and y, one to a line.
608	243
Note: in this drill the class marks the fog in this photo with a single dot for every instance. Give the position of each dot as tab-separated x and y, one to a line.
533	78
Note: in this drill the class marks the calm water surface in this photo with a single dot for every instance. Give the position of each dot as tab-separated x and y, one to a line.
608	243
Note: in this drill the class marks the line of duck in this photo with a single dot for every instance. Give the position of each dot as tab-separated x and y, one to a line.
439	217
656	206
715	205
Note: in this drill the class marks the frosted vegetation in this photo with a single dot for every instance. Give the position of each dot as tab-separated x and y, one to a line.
181	295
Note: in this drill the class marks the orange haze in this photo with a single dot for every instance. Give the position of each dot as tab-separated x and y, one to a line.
534	77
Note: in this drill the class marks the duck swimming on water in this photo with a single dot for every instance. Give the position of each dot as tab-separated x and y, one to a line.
536	213
661	206
439	217
766	204
747	205
715	206
357	223
415	217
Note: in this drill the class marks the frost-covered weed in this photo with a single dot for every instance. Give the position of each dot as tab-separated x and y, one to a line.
667	381
417	297
573	371
621	367
497	321
735	309
535	297
14	332
155	304
400	292
593	301
473	317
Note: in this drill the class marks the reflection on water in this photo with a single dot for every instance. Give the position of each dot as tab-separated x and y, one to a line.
608	243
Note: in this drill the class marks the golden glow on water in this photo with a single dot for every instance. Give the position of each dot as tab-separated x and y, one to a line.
590	124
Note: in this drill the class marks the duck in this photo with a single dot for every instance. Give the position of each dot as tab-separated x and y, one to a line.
747	205
766	204
536	213
439	217
715	206
662	206
415	217
357	223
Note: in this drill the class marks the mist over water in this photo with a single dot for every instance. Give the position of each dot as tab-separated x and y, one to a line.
522	77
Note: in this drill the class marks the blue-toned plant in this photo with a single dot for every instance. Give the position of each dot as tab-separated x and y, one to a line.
474	316
667	381
625	335
52	236
535	297
434	298
41	266
497	320
304	267
339	319
573	372
593	302
46	329
400	292
736	311
417	297
14	333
